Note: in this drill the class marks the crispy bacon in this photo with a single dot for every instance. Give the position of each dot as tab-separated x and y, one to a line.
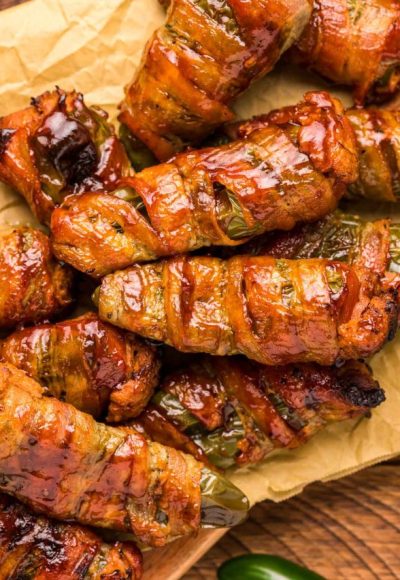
378	139
354	43
60	462
34	285
222	411
377	133
367	246
194	66
372	248
88	363
36	548
231	411
58	146
290	171
273	311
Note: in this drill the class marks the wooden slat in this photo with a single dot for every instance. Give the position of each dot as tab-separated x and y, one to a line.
173	561
345	530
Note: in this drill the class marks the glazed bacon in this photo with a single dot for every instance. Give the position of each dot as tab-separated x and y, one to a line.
37	548
291	171
57	146
91	473
273	311
370	247
88	363
231	411
378	140
354	43
222	429
59	461
195	65
377	133
34	285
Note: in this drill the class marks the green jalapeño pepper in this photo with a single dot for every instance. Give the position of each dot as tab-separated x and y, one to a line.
264	567
139	155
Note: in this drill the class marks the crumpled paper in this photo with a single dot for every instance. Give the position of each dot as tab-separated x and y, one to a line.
94	46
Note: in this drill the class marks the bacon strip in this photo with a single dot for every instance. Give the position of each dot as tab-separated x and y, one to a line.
37	548
58	146
60	462
236	412
354	43
377	133
34	285
88	363
291	171
194	66
273	311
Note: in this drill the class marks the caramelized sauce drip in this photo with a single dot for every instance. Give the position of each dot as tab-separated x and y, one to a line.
65	152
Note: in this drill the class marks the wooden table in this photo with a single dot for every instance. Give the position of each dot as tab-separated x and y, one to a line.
348	529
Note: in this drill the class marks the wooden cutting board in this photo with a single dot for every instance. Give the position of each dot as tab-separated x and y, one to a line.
173	561
348	529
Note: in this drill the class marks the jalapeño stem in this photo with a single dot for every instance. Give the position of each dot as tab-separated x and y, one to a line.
222	503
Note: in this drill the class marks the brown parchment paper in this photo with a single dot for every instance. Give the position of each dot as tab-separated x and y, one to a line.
94	46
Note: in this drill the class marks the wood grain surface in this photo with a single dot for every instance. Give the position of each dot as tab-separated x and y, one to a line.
347	529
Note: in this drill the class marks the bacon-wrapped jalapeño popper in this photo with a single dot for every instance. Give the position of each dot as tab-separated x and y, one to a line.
57	146
232	411
275	311
289	172
60	462
373	246
377	133
195	65
88	363
36	548
34	285
378	142
354	43
224	411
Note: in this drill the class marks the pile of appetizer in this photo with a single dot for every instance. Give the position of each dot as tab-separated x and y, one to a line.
226	305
